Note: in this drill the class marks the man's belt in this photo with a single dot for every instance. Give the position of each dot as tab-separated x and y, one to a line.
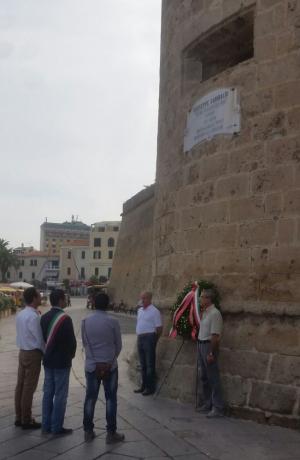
204	341
146	333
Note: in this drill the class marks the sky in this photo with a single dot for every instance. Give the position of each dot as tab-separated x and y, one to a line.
78	110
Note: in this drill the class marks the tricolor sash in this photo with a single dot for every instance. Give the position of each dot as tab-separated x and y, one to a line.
54	326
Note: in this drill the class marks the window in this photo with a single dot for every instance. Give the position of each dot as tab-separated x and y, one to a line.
8	275
69	254
101	229
33	262
82	273
110	254
97	242
32	275
115	229
83	254
22	262
96	271
20	275
109	272
110	242
224	46
97	255
68	271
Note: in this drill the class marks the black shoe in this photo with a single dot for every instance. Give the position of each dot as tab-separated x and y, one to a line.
33	425
148	392
113	438
139	390
63	432
18	423
89	436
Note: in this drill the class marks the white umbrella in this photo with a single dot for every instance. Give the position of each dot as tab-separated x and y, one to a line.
21	285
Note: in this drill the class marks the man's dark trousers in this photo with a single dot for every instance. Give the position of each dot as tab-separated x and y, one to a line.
210	376
146	344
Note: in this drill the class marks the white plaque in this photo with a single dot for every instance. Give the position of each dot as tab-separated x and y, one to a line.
217	112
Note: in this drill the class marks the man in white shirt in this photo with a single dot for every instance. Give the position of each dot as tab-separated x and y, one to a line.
211	324
31	344
148	329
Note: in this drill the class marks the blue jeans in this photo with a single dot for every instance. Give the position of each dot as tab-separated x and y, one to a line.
56	387
146	349
92	391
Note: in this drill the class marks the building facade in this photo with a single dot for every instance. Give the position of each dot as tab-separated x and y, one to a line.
36	266
103	241
55	235
75	261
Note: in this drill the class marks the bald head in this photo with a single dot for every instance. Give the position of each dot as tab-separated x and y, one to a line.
146	298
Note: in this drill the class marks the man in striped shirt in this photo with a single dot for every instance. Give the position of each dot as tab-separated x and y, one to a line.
58	332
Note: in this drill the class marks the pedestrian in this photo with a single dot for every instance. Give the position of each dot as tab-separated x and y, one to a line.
148	329
101	338
60	349
31	344
208	349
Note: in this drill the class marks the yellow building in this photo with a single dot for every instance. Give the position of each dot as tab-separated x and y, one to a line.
55	235
103	241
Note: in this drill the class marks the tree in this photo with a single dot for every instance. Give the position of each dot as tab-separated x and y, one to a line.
7	258
93	279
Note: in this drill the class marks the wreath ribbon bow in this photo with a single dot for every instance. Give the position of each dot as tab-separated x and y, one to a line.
191	302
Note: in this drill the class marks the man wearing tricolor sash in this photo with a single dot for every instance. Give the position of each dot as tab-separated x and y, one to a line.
58	332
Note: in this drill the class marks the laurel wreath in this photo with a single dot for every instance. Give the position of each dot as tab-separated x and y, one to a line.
183	326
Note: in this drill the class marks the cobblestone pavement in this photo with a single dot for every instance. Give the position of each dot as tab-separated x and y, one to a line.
154	428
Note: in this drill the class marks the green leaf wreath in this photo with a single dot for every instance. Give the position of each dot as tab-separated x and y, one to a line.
183	326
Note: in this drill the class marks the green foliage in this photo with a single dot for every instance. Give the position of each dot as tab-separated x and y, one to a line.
6	302
183	326
66	283
7	258
94	280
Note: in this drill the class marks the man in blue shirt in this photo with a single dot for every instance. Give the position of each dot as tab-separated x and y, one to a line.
101	338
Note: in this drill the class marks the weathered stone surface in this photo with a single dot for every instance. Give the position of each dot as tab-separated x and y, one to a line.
257	234
285	370
246	364
246	209
269	180
233	186
235	390
247	159
273	398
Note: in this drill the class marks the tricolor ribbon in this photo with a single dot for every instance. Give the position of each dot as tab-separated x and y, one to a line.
54	325
191	303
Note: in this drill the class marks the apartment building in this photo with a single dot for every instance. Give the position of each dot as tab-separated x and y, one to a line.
55	235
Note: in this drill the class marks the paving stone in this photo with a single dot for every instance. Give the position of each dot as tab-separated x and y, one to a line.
140	449
35	454
169	444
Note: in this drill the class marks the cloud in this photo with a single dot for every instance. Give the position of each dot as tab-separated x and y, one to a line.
78	113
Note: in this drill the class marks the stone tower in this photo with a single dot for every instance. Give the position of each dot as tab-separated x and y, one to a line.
228	206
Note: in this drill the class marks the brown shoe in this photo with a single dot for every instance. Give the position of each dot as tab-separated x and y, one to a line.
113	438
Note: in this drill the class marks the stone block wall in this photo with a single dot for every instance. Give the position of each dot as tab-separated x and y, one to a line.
229	209
132	263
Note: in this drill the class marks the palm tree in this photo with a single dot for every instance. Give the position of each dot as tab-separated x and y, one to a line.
7	258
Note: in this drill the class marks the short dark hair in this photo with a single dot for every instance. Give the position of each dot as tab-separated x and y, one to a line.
56	296
30	294
101	301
